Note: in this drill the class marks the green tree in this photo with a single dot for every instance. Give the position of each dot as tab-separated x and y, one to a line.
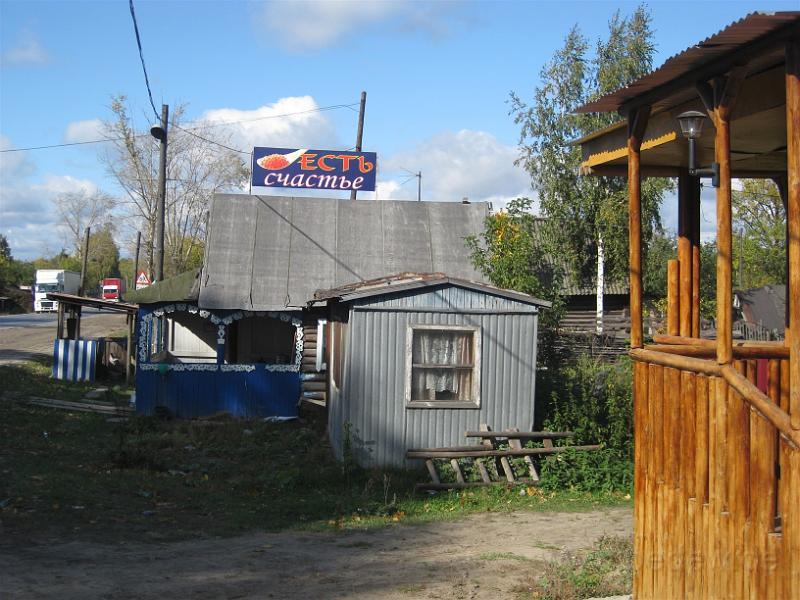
759	245
586	214
513	253
103	259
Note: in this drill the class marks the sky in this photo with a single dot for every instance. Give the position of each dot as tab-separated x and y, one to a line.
437	76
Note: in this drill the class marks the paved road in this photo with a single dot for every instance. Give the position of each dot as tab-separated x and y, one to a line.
41	319
32	336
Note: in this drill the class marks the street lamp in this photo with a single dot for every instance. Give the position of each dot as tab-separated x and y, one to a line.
691	123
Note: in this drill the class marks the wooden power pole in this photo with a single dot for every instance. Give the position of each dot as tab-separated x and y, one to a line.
360	133
160	133
85	260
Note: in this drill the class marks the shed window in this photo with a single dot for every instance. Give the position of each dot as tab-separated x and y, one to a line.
443	367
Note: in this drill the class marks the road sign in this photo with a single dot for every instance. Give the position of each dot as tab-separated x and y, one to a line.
142	280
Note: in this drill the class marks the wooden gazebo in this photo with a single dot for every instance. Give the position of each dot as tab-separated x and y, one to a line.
717	423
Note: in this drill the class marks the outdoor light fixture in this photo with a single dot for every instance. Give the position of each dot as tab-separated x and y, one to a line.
157	132
691	123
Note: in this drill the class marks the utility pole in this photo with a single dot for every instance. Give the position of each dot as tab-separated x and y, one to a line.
419	186
160	133
85	260
360	133
136	260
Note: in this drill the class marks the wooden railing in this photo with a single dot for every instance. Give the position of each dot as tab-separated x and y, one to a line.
717	482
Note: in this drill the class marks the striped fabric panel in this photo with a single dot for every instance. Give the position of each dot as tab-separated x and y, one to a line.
74	360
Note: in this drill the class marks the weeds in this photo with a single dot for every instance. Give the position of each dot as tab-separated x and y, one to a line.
606	570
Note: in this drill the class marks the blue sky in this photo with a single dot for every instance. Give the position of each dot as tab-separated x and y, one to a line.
438	76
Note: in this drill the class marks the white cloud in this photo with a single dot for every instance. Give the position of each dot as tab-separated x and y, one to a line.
455	165
28	216
13	164
315	24
84	131
27	51
292	122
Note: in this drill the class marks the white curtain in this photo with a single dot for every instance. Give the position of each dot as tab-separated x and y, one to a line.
450	349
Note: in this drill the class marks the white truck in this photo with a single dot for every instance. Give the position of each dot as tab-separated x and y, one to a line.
53	280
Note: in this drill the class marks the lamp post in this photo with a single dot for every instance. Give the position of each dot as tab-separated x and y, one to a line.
691	123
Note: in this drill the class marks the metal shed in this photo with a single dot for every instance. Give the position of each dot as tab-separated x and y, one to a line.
387	395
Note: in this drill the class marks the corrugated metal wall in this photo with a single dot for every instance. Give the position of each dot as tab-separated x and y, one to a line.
373	388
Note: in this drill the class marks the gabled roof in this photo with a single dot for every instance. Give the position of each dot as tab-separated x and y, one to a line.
274	252
411	281
765	305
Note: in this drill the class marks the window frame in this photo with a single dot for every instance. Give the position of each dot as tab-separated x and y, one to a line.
475	397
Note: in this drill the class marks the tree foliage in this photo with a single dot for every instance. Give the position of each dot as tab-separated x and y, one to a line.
585	211
197	167
759	245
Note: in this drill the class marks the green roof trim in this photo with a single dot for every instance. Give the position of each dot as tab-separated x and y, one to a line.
181	288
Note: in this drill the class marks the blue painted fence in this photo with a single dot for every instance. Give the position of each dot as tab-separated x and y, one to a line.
74	360
258	393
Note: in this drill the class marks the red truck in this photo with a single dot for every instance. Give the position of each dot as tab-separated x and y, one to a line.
113	288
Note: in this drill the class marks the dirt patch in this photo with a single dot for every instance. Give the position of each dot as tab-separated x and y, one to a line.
483	556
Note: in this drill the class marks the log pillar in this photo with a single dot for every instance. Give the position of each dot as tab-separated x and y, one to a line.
637	123
725	90
793	221
685	231
694	185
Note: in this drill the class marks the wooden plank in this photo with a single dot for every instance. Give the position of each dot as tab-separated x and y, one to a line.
520	435
673	297
429	464
457	469
483	471
467	485
515	444
637	123
500	453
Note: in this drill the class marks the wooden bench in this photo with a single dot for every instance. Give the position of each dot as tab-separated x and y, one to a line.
489	449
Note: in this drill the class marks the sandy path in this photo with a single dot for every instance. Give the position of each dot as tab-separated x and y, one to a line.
21	343
438	560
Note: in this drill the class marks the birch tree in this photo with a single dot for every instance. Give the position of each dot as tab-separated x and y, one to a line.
587	215
82	209
198	166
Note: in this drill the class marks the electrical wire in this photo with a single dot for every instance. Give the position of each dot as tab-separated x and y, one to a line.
187	129
141	57
210	141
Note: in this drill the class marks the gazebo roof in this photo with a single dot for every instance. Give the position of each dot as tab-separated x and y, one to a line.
758	144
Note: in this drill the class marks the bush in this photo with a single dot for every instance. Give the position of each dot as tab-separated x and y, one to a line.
594	400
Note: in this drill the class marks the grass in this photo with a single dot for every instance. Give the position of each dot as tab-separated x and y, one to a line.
76	474
605	570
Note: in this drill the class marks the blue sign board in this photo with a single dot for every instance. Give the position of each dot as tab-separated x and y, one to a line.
314	169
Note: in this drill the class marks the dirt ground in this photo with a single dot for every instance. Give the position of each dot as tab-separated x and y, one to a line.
482	556
22	343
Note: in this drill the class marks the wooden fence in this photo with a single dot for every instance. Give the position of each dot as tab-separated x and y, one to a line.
717	481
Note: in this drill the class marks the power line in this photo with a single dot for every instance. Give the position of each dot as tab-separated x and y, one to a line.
210	141
187	129
141	56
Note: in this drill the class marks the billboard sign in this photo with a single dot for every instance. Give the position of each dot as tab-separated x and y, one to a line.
314	169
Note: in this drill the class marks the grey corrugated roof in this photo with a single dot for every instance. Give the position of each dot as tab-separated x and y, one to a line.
274	252
411	281
755	26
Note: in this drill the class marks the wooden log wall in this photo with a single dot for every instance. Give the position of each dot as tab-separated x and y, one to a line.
717	487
